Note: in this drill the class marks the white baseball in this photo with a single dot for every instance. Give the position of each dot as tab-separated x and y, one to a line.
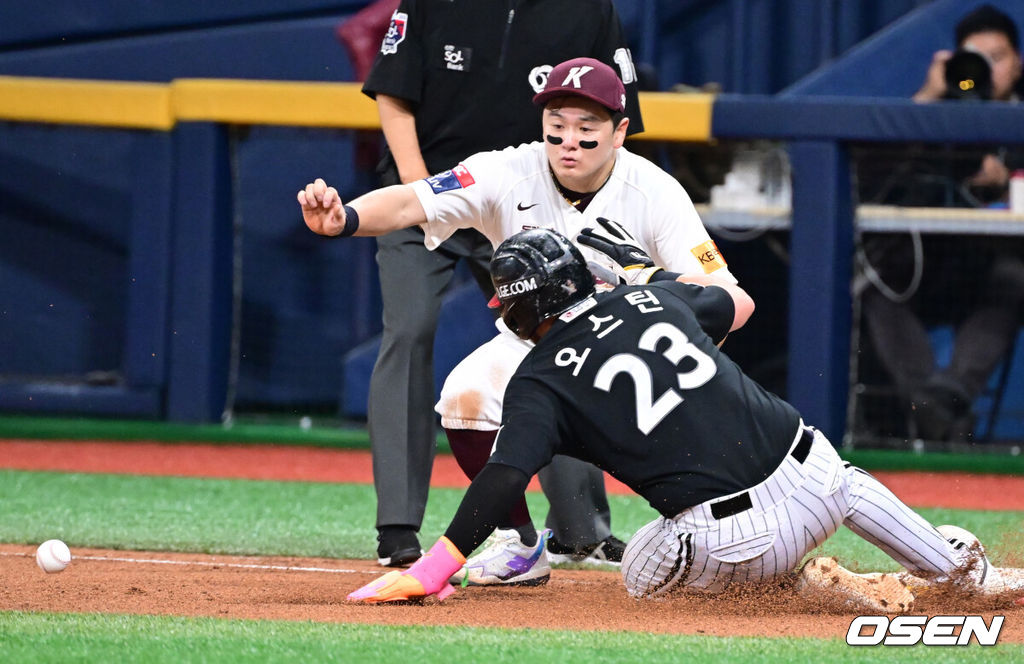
53	556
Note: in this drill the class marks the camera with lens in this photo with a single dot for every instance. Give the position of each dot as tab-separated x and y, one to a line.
968	76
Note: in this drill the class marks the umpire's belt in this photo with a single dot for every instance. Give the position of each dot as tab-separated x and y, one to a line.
741	502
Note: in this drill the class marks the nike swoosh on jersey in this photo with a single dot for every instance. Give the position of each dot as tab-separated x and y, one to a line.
524	209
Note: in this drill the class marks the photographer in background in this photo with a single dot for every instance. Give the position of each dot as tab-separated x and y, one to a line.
990	33
914	282
984	36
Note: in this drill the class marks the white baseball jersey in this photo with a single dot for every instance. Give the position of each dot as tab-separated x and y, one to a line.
504	192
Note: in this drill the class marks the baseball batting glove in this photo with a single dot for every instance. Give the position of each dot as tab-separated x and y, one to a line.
428	576
632	264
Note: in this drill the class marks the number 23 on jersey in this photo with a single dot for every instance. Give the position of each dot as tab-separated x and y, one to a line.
650	411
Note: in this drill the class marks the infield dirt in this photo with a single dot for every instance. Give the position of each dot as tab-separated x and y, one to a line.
154	583
100	581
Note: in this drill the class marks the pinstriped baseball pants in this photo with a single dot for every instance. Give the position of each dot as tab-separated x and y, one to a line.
793	511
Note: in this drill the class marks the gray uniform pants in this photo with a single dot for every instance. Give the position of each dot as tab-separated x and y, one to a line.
401	417
403	436
579	514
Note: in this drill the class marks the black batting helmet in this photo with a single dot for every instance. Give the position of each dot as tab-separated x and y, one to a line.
538	274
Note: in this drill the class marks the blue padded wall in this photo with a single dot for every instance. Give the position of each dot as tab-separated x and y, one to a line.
75	198
24	24
305	302
749	46
868	69
298	49
64	258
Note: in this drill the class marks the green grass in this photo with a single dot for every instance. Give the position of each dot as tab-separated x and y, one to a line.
320	431
242	517
247	517
998	531
336	520
279	430
38	637
982	461
326	431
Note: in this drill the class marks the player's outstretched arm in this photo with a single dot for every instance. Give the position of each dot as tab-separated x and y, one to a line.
376	213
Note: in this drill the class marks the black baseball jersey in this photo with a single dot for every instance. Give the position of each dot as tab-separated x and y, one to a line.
632	381
471	67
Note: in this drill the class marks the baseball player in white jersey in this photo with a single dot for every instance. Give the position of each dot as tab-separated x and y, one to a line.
517	193
504	192
633	381
578	173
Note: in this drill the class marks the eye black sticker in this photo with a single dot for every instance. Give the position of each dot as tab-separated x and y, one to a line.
553	140
588	145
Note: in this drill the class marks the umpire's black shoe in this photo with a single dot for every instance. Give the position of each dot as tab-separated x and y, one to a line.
606	552
397	546
609	551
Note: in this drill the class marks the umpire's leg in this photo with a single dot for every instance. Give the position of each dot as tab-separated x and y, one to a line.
579	514
400	416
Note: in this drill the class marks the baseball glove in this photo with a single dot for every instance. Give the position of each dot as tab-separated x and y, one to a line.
632	264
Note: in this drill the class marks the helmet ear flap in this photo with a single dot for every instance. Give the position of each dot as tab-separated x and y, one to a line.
522	320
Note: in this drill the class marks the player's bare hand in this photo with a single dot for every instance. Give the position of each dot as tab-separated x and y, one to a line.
934	86
322	209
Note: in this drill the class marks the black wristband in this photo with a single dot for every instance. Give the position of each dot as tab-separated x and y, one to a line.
663	275
351	221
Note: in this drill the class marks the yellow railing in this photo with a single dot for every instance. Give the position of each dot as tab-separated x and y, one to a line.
67	101
135	105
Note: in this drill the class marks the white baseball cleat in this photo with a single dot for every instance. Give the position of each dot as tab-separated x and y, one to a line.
988	578
874	593
505	560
